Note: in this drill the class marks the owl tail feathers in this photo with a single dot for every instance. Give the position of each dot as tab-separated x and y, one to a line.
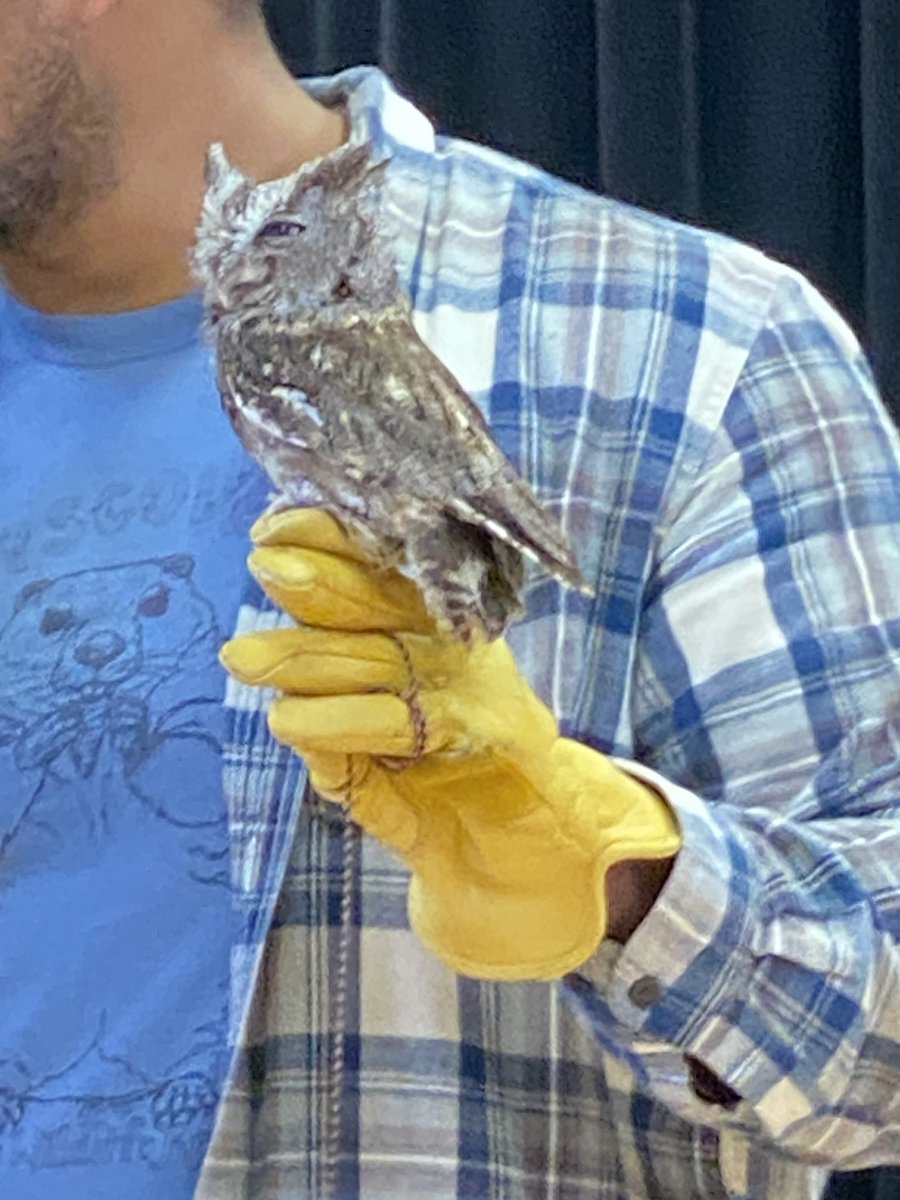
538	538
558	561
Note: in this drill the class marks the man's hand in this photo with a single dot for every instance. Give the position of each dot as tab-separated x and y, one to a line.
443	752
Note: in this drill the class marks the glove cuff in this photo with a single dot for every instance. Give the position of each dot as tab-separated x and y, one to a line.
555	920
601	805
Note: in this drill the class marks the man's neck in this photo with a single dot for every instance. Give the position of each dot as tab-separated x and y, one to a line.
131	249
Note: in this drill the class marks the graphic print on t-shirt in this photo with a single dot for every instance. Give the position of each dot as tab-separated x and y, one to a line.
96	698
110	751
104	699
101	1108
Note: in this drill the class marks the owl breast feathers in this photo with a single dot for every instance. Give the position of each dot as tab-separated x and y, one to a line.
332	391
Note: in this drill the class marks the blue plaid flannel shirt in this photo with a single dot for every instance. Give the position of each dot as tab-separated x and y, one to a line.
708	432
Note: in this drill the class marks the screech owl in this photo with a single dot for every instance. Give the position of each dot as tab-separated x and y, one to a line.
333	392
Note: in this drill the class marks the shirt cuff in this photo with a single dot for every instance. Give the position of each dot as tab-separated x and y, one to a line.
689	963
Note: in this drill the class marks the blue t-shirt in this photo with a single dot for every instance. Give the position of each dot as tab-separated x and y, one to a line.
125	501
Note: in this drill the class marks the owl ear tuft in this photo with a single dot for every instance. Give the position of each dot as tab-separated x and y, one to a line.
375	173
218	168
347	169
222	176
356	168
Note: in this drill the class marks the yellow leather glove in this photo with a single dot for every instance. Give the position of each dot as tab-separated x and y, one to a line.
444	753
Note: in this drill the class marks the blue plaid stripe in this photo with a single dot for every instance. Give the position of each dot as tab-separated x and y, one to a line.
707	431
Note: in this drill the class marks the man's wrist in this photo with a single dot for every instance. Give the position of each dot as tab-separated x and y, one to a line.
632	889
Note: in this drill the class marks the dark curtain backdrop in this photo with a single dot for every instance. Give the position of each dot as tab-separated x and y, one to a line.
777	121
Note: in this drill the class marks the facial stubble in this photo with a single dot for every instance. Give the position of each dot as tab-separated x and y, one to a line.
60	154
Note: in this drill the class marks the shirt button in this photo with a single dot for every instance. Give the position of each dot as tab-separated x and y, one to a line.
645	992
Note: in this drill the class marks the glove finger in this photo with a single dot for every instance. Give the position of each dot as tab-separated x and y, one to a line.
316	662
355	781
331	775
310	528
319	662
381	725
331	592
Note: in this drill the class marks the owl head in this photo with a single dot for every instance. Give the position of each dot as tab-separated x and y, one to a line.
306	244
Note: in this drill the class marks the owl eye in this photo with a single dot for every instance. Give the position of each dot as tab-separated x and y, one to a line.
276	229
343	289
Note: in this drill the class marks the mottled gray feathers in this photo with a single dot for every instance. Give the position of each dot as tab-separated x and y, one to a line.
331	389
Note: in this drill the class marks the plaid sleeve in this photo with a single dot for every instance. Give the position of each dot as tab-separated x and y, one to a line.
767	696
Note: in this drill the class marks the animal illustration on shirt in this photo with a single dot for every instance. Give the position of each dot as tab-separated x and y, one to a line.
97	701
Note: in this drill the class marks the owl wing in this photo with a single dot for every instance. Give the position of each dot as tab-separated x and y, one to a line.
276	424
377	364
499	500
